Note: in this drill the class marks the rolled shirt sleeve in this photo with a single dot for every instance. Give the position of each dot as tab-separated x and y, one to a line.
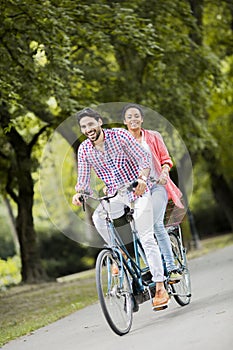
84	171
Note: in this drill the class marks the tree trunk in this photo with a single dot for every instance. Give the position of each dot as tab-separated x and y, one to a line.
32	271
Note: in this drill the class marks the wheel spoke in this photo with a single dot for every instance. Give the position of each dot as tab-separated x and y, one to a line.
114	294
181	290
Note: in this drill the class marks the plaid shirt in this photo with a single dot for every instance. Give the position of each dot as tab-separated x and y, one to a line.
121	161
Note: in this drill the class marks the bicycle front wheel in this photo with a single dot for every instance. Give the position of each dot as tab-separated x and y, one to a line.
182	289
114	292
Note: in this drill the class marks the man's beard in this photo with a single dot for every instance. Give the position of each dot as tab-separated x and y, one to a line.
97	133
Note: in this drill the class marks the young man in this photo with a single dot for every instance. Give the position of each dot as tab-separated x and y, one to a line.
117	158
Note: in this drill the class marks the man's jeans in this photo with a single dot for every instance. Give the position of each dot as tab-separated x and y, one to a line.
143	216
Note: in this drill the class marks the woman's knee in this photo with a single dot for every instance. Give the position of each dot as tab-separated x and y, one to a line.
159	229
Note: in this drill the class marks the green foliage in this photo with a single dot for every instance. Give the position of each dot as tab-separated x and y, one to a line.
6	245
33	48
211	221
217	30
62	256
209	215
145	54
220	122
10	272
202	188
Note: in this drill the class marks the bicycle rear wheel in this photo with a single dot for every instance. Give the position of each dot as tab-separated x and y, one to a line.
114	293
182	289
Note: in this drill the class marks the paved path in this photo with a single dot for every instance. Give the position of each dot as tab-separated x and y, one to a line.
205	324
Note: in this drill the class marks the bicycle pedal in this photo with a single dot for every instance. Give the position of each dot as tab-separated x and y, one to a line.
160	308
173	282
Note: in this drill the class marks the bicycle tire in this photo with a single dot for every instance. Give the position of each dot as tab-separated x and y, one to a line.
114	293
182	289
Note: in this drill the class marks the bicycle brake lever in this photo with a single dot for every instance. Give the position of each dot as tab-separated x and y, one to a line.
132	186
82	200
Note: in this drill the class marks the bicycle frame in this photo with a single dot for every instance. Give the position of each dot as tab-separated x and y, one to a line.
133	265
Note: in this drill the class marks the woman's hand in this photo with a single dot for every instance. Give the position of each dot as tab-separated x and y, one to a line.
162	180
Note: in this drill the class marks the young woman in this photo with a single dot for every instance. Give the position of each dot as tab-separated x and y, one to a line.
163	189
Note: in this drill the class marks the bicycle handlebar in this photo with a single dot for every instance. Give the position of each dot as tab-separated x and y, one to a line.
129	187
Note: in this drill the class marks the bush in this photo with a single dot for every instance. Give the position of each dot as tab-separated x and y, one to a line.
7	248
211	221
62	256
10	272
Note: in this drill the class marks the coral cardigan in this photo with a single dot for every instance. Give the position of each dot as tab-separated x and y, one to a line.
161	156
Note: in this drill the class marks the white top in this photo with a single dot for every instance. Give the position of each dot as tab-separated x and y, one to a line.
153	172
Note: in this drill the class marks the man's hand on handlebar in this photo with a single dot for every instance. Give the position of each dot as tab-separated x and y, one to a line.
77	199
105	190
141	187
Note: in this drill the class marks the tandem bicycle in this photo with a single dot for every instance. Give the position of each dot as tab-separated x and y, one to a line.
121	294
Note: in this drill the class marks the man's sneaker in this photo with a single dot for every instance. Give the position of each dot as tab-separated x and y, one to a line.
174	277
160	301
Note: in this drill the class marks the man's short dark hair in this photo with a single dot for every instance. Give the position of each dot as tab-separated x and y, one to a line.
131	105
88	112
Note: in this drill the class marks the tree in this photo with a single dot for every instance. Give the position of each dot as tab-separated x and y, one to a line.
21	169
43	55
30	76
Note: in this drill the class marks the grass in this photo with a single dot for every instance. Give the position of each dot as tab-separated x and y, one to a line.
25	308
211	244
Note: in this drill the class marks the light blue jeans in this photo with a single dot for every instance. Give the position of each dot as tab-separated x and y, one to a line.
160	199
